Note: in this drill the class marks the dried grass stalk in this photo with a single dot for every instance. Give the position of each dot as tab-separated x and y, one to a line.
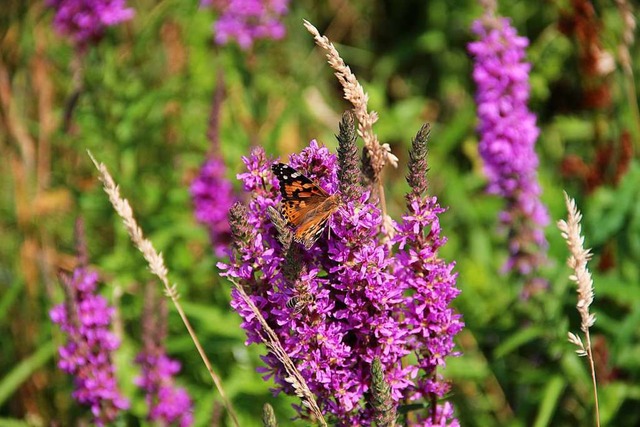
578	258
273	344
354	93
379	154
156	264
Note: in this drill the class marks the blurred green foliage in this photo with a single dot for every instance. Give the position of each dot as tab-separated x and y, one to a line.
143	109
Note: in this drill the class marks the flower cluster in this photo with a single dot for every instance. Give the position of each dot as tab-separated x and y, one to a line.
167	403
212	196
85	21
508	133
427	312
85	318
350	299
248	20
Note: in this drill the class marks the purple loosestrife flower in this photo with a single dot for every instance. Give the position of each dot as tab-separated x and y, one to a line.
85	318
85	21
349	299
248	20
431	286
168	404
508	133
212	195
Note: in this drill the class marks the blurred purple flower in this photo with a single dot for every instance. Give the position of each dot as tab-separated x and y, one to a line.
351	297
248	20
168	404
212	195
85	21
508	133
85	318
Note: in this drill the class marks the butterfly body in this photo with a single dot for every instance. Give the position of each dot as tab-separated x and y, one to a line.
305	205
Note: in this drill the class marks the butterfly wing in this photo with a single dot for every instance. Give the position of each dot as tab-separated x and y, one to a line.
300	195
295	211
309	231
305	205
293	184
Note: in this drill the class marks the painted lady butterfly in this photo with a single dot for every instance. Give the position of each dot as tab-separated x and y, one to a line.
305	205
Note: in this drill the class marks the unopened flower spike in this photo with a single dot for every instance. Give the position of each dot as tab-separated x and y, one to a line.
417	176
269	416
349	173
292	266
240	228
381	400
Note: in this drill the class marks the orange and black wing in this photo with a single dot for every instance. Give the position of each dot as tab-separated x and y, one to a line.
309	231
305	205
299	193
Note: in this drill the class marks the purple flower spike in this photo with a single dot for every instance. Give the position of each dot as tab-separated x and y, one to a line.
429	286
85	21
85	318
168	404
212	195
248	20
508	133
350	299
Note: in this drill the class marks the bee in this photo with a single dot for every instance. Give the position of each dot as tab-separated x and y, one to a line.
293	302
296	303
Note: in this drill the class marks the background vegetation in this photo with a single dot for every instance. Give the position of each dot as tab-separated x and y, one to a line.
143	109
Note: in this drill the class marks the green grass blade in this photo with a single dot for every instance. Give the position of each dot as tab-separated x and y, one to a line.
10	383
550	400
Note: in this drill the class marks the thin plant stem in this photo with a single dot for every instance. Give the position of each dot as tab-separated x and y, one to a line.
157	267
383	206
593	376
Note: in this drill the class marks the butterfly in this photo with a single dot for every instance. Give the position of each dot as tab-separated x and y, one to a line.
305	205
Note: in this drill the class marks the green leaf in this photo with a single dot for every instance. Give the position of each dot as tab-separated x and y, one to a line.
518	339
612	397
550	400
13	422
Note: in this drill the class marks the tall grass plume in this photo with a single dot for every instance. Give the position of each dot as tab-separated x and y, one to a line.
377	155
578	258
